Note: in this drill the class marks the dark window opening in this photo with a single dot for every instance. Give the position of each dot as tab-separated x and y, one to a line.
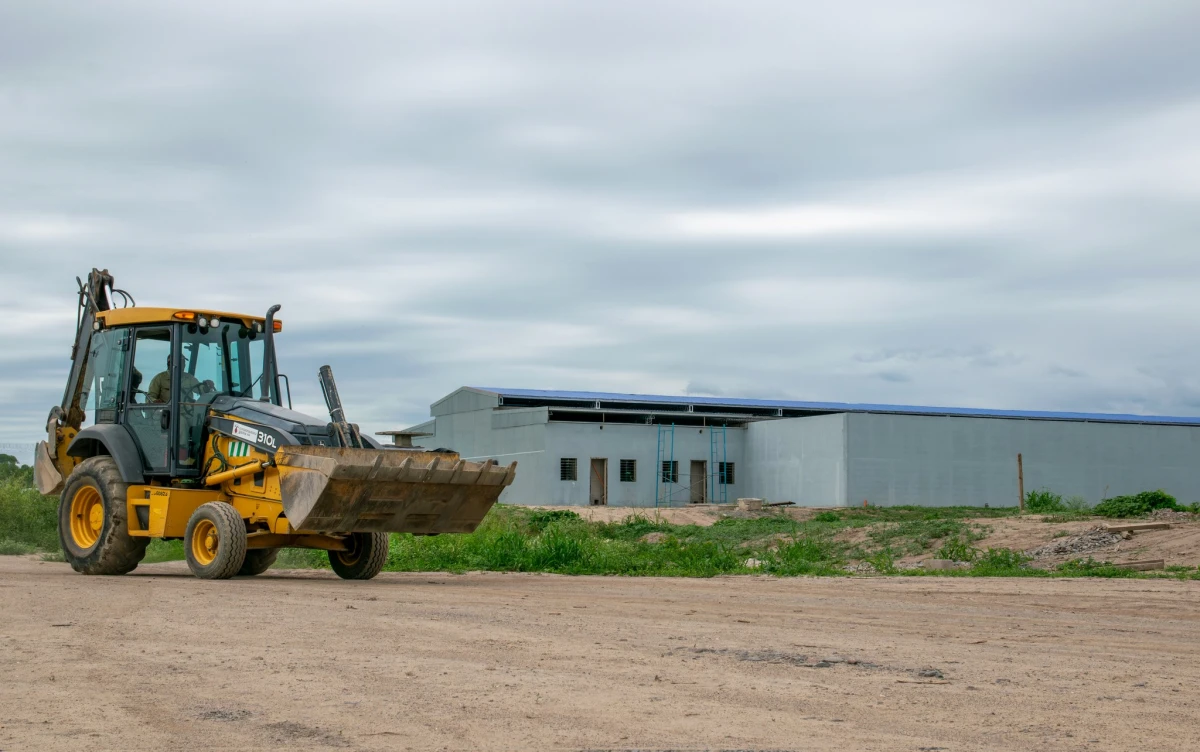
725	473
568	468
670	471
628	471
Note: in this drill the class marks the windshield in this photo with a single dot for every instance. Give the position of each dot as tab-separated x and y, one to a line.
227	359
224	359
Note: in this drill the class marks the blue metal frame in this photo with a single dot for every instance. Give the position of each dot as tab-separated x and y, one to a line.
718	457
664	491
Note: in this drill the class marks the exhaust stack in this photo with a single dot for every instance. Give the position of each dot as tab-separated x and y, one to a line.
346	433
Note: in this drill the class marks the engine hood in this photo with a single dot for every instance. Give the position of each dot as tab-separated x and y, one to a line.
304	429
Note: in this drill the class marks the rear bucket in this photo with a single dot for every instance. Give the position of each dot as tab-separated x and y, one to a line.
333	490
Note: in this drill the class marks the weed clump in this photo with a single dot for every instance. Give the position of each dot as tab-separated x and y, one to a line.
1089	567
1001	562
812	554
957	549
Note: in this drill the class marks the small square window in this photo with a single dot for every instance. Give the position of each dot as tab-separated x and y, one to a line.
725	474
670	471
629	471
568	468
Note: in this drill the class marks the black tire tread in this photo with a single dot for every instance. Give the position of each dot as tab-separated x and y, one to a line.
369	564
258	560
231	531
117	552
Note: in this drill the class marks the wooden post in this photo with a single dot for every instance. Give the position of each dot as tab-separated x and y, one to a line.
1021	481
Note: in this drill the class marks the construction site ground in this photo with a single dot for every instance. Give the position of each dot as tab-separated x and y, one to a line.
300	659
1178	545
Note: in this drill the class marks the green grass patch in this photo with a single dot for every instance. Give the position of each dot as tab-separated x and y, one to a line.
16	548
27	519
916	536
529	539
869	514
163	550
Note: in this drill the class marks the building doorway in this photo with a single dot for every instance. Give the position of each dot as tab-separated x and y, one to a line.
699	481
599	485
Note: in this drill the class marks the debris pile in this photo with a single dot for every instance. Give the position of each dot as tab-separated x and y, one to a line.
1092	540
1172	515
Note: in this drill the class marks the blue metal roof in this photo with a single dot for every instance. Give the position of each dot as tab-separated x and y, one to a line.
838	407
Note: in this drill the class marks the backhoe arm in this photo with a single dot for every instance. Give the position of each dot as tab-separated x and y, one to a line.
50	460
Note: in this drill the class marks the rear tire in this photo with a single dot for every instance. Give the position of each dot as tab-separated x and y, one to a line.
93	527
215	541
258	560
364	558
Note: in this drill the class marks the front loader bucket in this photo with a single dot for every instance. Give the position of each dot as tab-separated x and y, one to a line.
335	490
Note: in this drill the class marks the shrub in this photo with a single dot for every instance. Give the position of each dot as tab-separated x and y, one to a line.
1137	505
1077	504
1043	501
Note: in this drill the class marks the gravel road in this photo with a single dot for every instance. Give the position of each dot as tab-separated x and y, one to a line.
160	660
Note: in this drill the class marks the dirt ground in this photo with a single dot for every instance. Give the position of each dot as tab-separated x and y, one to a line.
702	515
159	660
1179	545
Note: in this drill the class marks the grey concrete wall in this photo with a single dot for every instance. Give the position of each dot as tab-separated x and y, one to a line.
942	461
471	434
798	459
525	436
616	442
463	399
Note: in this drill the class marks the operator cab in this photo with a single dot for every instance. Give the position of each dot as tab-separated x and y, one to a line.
157	374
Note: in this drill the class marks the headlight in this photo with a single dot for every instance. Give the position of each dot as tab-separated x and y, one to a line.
203	322
214	321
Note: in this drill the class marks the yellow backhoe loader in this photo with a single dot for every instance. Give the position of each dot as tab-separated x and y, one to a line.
189	439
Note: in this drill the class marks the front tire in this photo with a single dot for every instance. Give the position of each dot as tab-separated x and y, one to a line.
364	557
93	527
215	541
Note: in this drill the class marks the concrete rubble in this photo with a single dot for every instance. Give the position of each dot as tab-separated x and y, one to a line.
1092	540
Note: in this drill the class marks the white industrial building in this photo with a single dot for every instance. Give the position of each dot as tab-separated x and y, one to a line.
581	448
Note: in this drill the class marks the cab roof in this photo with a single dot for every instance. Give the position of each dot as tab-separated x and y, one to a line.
147	315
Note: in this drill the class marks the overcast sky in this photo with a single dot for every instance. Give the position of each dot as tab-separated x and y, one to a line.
984	204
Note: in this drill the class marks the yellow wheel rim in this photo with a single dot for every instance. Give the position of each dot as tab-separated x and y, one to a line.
204	542
350	556
87	516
